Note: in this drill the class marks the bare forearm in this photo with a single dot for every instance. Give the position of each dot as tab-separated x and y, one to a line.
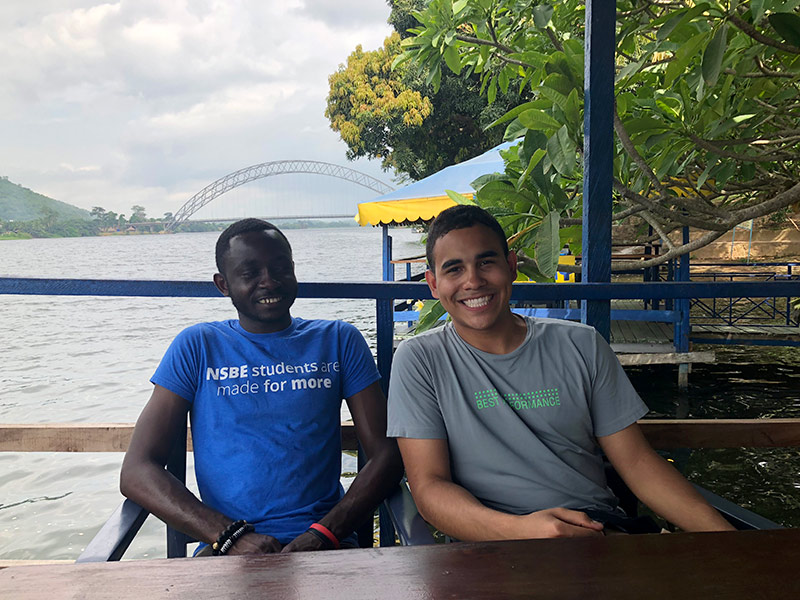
662	488
454	511
158	491
376	480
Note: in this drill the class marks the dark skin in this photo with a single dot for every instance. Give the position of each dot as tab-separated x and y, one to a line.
259	279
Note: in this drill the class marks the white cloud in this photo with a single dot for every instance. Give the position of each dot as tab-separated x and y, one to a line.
145	101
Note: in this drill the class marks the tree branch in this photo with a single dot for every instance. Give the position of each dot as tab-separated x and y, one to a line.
627	144
736	156
760	37
782	200
675	252
657	228
714	225
479	42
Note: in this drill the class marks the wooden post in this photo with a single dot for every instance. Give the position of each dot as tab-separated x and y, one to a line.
600	46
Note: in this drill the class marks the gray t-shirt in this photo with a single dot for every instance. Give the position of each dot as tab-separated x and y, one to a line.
521	427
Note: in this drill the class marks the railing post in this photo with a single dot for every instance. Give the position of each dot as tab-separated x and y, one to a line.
385	340
683	326
600	47
388	267
176	464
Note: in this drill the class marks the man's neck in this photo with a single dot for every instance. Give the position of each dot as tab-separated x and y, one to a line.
504	338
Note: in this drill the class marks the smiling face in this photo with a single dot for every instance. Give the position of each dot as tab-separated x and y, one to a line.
472	279
258	276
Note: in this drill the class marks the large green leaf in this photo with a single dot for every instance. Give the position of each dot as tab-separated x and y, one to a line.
712	57
538	119
452	59
787	25
757	8
459	198
529	268
548	245
681	17
432	311
683	57
562	152
542	15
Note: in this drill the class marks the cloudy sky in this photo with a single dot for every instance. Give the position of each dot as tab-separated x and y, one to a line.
146	101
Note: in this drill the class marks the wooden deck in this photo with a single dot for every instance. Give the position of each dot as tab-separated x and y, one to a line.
747	333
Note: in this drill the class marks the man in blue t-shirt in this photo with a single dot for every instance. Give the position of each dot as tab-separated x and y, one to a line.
263	394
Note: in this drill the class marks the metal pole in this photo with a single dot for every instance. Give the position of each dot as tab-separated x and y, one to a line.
600	45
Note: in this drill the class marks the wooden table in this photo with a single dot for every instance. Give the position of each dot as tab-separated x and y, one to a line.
746	565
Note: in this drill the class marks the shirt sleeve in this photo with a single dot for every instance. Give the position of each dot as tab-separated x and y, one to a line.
178	369
358	366
614	402
413	410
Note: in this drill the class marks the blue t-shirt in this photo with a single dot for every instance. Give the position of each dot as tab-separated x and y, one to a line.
265	416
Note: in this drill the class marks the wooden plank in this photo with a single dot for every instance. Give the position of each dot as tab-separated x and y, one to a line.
665	433
92	437
66	437
721	433
734	565
618	333
629	331
668	358
641	348
5	563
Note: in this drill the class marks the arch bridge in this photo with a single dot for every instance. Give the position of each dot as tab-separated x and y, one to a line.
269	169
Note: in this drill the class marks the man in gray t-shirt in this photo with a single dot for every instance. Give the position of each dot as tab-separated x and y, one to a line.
501	420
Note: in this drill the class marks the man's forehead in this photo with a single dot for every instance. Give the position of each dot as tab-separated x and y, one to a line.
466	244
264	239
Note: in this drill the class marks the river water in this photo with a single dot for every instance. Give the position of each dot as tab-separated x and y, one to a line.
87	359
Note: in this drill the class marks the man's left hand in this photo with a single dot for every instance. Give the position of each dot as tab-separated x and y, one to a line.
304	542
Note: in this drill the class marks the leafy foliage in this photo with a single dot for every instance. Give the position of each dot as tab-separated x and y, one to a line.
707	115
397	116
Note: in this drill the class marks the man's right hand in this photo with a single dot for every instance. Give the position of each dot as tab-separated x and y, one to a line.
558	522
255	543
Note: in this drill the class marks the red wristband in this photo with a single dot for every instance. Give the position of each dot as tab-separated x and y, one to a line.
327	533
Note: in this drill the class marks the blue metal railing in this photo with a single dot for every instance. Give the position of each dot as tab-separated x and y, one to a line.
770	311
384	294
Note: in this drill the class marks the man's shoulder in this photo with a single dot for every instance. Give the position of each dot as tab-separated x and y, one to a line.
560	327
434	340
206	328
323	326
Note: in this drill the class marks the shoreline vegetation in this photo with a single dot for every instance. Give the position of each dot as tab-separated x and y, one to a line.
26	230
25	214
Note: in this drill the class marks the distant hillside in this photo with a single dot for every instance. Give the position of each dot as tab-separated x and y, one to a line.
18	203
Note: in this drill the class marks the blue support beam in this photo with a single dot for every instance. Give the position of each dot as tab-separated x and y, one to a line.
383	291
598	142
388	267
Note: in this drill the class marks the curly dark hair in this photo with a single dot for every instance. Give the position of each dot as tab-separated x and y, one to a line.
238	228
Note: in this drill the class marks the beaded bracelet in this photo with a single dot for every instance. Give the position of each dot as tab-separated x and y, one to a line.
225	536
246	528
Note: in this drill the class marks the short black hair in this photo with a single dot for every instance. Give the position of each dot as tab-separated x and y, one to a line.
238	228
461	216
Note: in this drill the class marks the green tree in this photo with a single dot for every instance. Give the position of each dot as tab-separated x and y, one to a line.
138	214
707	115
396	115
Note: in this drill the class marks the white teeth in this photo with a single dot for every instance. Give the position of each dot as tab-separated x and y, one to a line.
269	300
477	302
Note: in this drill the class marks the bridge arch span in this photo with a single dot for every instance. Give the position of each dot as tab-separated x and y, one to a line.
268	169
